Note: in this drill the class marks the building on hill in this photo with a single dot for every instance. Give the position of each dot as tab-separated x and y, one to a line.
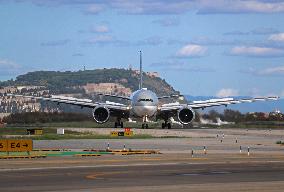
9	89
107	88
150	74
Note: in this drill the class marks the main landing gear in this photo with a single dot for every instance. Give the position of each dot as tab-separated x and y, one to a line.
118	123
166	125
145	125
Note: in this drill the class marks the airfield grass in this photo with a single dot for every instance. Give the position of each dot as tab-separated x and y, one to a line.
153	125
50	134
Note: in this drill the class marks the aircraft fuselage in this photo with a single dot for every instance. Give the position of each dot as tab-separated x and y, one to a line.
144	103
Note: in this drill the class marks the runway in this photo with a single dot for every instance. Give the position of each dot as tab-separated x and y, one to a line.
147	175
222	168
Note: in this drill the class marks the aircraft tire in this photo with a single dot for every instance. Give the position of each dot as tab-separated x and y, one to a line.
169	126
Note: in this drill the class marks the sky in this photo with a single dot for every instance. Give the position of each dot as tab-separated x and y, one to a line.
217	48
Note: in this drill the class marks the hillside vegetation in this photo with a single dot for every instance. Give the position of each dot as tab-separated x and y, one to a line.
61	82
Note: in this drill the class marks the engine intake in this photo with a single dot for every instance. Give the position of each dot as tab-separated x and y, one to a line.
186	115
101	114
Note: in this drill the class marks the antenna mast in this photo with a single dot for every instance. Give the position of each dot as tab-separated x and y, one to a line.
141	72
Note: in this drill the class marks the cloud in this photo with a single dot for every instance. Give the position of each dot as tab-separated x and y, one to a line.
153	41
192	50
272	71
167	22
95	9
236	32
158	7
253	51
55	43
103	40
181	66
282	94
264	31
9	67
110	40
7	64
258	31
277	37
205	41
100	29
227	92
240	7
279	70
78	55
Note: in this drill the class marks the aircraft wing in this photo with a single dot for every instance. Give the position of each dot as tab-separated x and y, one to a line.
212	103
77	102
115	96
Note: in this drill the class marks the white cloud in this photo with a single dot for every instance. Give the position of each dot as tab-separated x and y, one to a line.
55	43
227	92
256	51
101	39
277	37
239	6
95	9
100	29
192	50
6	64
8	67
167	22
272	71
173	7
282	94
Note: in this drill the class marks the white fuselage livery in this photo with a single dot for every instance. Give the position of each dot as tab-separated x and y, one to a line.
144	103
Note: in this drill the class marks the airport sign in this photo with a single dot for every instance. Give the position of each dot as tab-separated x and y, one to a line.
3	145
121	133
12	145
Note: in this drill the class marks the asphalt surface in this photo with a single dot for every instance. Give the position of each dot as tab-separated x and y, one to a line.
142	175
223	168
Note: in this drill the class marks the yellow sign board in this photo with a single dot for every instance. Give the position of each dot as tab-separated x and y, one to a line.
16	145
3	145
121	133
128	133
114	133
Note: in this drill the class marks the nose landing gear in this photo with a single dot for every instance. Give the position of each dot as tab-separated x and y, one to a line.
145	125
166	125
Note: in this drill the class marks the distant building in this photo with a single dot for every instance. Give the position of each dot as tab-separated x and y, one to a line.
107	88
153	74
20	88
150	74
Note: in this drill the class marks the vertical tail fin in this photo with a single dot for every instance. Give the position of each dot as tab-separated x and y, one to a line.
141	72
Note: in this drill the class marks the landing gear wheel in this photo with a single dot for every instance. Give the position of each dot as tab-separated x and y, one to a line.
146	126
121	124
169	126
143	126
163	125
115	125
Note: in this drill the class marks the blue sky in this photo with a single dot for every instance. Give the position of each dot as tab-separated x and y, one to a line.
220	48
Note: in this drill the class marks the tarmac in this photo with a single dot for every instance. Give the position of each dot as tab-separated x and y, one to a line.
220	168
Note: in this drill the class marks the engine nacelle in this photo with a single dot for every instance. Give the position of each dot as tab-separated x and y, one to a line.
186	115
101	114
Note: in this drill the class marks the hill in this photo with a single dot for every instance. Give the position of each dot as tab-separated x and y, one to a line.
68	81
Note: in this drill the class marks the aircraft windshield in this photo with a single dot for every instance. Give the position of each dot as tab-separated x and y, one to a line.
149	100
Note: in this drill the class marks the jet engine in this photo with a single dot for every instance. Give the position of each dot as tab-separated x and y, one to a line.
101	114
186	115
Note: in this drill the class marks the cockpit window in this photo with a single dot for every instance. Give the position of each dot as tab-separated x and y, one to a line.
149	100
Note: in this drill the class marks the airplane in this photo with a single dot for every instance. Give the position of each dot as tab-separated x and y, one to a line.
144	104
